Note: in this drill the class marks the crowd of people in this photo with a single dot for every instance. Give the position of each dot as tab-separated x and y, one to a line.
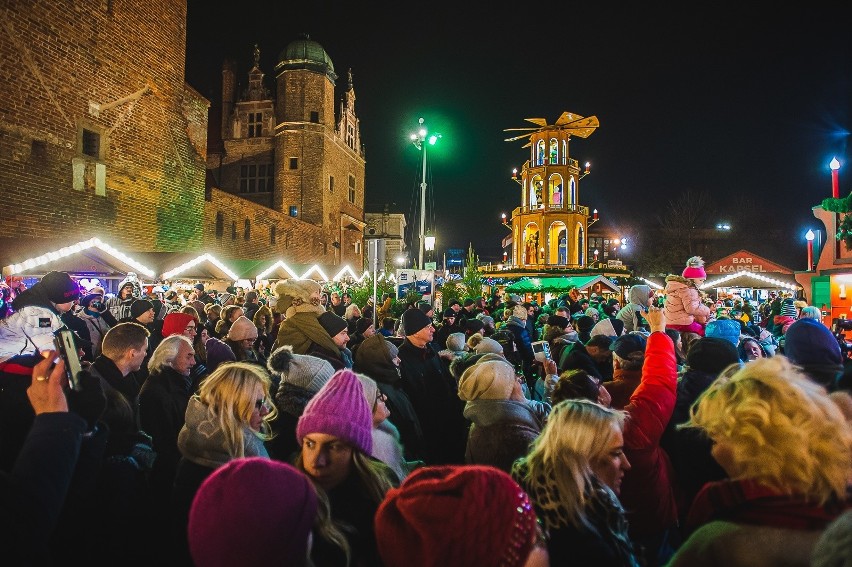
293	426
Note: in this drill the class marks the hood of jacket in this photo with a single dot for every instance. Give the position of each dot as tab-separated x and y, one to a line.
489	412
640	295
202	441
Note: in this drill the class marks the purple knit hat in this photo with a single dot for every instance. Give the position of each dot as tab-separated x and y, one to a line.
339	409
252	510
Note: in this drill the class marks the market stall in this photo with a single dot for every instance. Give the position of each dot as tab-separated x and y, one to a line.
544	289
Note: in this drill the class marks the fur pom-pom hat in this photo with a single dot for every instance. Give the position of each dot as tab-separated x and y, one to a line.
695	269
302	370
295	296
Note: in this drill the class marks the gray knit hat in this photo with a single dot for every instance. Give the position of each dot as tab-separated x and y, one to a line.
301	370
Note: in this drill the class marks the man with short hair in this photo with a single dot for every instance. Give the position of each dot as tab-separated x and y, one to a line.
628	355
122	353
432	391
251	304
594	358
337	307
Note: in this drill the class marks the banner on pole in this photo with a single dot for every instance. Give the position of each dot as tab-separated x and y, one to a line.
421	281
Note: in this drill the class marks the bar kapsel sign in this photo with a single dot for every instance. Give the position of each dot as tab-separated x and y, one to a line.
744	261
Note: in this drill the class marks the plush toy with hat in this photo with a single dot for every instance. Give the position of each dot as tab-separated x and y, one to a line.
231	522
298	296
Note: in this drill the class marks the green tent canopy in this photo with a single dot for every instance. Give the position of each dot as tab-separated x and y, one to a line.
559	285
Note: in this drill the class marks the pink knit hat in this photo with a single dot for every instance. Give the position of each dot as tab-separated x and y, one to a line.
695	269
242	328
252	510
339	409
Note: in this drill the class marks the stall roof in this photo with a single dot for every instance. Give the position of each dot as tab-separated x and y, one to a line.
91	256
559	285
753	280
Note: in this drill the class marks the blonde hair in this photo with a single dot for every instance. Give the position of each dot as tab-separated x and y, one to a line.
578	433
351	310
783	428
229	392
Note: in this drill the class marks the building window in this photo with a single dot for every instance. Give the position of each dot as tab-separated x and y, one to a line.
315	117
331	184
256	178
357	246
294	163
272	230
294	211
91	144
351	188
234	230
220	224
247	230
350	136
255	124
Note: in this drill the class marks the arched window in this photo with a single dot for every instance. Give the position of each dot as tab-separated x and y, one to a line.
581	245
535	195
564	152
539	149
554	151
554	189
572	194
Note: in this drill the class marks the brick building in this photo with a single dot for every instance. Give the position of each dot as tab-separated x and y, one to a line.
100	136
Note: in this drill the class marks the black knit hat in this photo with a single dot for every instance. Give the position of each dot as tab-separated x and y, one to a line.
414	320
332	323
363	324
449	312
712	355
140	306
558	321
59	287
89	298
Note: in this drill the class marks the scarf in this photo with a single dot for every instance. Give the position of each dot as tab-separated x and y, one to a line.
749	502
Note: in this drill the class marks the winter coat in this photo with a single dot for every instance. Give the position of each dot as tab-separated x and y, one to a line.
744	523
97	329
781	323
373	359
683	303
647	491
28	330
290	401
501	432
433	394
388	449
162	410
638	297
622	386
302	331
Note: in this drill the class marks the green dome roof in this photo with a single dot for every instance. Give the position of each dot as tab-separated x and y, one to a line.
305	53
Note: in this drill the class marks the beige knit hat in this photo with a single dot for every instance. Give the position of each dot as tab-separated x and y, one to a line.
489	380
242	329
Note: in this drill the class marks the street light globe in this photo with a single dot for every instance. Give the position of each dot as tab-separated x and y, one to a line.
809	235
835	165
400	260
430	242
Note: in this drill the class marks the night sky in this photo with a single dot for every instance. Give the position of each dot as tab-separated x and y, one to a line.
738	104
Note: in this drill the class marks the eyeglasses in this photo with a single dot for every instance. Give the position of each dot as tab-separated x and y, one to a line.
260	404
191	328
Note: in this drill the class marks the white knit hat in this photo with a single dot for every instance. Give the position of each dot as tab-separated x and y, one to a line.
242	329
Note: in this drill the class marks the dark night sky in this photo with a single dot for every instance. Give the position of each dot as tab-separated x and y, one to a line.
732	102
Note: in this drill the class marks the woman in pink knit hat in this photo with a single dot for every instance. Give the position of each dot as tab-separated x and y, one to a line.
336	435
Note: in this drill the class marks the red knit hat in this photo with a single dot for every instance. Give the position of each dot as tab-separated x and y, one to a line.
470	515
175	323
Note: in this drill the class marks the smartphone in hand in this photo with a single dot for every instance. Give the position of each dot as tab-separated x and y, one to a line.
64	340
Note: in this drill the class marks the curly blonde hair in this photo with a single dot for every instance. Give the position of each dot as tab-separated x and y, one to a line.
229	392
784	430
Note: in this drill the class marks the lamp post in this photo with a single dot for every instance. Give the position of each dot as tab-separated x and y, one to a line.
418	138
430	244
809	236
835	185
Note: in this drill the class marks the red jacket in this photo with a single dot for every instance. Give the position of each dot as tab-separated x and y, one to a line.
647	489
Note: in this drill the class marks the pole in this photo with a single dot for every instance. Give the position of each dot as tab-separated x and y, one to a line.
835	184
375	277
810	255
422	206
